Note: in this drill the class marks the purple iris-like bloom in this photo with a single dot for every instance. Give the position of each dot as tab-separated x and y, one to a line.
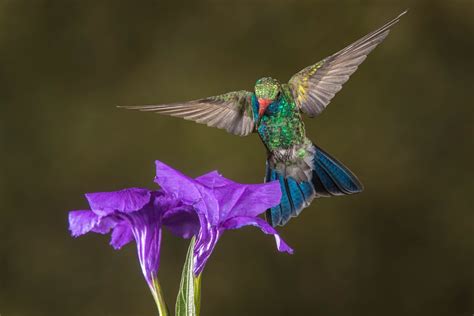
220	204
204	207
135	214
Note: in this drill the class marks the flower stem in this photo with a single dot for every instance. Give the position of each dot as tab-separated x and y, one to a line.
197	293
159	299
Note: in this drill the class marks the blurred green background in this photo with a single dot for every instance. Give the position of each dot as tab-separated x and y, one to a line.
403	124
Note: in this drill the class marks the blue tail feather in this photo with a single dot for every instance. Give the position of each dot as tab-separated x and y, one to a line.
329	186
286	206
329	178
295	197
342	178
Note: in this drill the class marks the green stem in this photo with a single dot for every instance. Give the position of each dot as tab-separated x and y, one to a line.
197	293
158	296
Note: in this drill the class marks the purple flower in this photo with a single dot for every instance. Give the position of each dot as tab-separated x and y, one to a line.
135	214
220	204
204	207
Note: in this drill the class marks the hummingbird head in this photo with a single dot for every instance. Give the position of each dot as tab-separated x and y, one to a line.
267	90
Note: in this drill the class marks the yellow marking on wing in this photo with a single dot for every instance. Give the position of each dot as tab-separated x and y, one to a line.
301	93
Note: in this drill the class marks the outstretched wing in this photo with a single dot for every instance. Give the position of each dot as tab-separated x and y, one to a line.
315	86
231	111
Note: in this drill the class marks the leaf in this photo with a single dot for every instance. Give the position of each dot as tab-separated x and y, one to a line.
188	302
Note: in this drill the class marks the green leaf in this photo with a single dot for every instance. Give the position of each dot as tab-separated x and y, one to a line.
188	302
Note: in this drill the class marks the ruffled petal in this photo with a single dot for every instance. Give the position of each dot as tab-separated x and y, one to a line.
177	184
238	222
105	225
121	235
213	179
188	191
236	199
247	199
127	200
82	222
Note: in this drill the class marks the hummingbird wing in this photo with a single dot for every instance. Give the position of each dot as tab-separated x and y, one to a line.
315	86
230	111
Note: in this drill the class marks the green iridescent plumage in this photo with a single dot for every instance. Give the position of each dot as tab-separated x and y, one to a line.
274	111
282	126
267	88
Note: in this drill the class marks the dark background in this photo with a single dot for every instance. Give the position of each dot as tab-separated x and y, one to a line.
403	123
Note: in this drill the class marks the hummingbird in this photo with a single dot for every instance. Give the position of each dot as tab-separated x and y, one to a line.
274	111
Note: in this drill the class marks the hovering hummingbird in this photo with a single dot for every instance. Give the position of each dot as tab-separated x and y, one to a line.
274	111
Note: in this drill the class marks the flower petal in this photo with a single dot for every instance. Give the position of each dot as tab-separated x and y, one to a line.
247	199
145	226
82	222
188	190
236	199
121	235
174	182
238	222
205	243
105	224
127	200
182	221
213	179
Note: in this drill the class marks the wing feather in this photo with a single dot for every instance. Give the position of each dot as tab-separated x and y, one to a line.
231	111
315	86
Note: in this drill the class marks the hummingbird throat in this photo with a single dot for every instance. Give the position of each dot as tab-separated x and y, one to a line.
262	106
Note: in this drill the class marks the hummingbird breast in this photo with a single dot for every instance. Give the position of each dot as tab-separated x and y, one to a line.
282	131
281	127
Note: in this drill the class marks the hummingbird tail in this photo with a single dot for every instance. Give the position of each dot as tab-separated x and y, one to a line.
295	197
329	178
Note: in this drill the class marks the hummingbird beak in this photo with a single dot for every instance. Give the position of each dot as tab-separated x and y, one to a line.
262	107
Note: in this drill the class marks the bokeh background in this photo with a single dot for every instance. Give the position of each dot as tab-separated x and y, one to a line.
403	123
